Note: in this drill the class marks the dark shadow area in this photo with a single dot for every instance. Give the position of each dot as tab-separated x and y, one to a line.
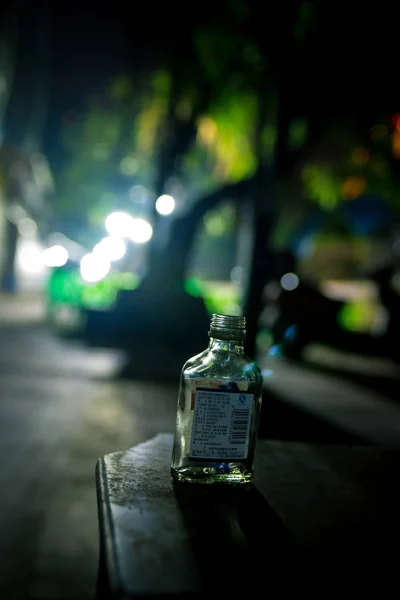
281	420
154	363
235	536
159	331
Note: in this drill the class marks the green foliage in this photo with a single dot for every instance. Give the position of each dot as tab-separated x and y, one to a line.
322	185
117	141
268	141
220	221
344	169
305	20
297	133
109	144
239	8
227	135
216	47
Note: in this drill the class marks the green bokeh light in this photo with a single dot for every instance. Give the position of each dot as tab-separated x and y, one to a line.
356	316
66	287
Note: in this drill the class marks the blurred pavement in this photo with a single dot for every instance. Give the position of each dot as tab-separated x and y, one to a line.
26	307
60	410
361	403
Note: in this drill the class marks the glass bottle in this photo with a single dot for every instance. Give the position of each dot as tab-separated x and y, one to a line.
218	411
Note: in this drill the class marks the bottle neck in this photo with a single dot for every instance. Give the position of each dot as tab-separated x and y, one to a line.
217	345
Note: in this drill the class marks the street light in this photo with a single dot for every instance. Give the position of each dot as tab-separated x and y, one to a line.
55	256
141	231
119	224
122	225
111	248
289	281
94	267
165	204
30	258
27	227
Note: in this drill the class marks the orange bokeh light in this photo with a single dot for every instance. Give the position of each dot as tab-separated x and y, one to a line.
378	132
396	143
396	121
360	156
353	187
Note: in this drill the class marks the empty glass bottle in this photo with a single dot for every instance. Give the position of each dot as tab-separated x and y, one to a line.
218	409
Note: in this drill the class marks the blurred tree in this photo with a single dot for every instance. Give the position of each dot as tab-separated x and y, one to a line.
24	85
244	101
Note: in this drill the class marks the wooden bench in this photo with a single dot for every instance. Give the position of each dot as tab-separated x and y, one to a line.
313	513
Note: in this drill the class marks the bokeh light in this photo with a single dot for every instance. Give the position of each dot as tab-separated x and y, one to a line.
289	281
122	225
214	225
111	248
360	156
396	121
353	187
267	373
100	151
15	213
207	131
232	308
27	227
128	166
55	256
378	132
165	204
94	267
119	224
139	194
30	258
237	274
396	143
141	231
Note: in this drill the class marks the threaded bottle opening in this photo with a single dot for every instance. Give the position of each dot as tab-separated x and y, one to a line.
227	327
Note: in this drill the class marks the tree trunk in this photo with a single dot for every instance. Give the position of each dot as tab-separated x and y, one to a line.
179	135
169	267
259	269
8	279
25	112
264	206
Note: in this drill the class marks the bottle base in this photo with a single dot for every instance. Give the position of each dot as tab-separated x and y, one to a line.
209	476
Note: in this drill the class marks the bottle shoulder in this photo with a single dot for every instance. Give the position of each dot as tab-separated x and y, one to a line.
229	365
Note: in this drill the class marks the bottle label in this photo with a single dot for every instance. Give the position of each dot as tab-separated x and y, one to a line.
221	424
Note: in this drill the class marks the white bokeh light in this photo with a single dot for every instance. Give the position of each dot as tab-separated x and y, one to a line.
94	267
237	274
111	248
165	204
15	213
55	256
119	224
141	231
27	227
289	281
30	258
122	225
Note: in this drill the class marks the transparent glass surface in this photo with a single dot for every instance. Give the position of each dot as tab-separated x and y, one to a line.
224	362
